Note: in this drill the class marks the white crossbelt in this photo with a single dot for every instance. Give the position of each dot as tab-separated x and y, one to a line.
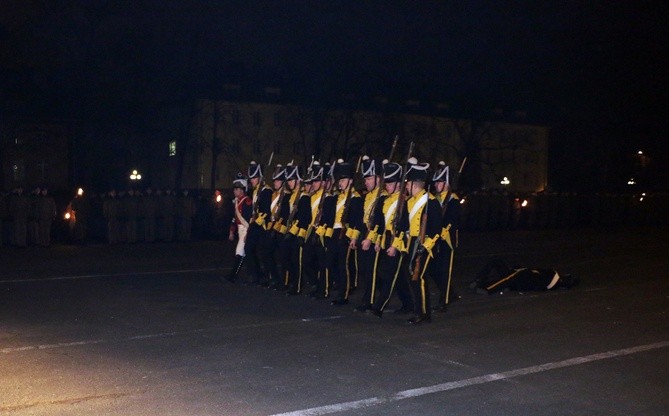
417	206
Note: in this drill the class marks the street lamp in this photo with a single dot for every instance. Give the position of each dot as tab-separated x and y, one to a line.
505	181
135	175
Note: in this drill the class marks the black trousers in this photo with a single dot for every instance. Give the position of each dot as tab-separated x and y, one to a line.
368	273
342	264
392	276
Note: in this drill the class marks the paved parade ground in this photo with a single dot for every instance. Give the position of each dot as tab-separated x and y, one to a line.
149	329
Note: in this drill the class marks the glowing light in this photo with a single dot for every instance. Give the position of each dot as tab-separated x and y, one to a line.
631	182
505	181
67	215
80	191
135	175
640	152
524	203
219	198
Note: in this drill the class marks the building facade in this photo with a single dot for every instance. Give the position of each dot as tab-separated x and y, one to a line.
35	154
226	135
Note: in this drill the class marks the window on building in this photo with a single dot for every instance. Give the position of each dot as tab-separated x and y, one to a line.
172	148
256	118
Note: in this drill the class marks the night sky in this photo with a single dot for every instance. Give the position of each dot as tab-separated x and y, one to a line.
596	72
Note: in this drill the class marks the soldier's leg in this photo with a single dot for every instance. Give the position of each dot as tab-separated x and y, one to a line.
251	248
421	290
367	261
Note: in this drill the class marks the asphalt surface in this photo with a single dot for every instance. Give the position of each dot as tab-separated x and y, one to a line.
151	330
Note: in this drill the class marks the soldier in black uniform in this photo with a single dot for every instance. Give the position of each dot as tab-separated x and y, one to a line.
261	196
278	215
421	225
343	222
442	267
391	270
305	249
322	237
288	211
367	255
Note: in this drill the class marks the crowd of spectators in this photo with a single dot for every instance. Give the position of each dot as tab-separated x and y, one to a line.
163	215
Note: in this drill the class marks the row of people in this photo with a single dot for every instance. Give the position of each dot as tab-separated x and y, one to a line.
314	233
31	217
132	216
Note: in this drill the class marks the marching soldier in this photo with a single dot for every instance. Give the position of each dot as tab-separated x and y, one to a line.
242	208
261	197
450	210
391	267
368	256
344	222
322	239
278	215
285	240
307	248
421	225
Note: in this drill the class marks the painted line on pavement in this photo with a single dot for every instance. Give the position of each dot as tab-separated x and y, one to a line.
488	378
93	276
37	347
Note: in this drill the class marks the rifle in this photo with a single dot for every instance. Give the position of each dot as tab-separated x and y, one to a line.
418	251
344	215
402	197
261	185
450	243
381	185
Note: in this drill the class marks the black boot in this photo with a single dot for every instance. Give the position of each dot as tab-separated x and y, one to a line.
236	267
